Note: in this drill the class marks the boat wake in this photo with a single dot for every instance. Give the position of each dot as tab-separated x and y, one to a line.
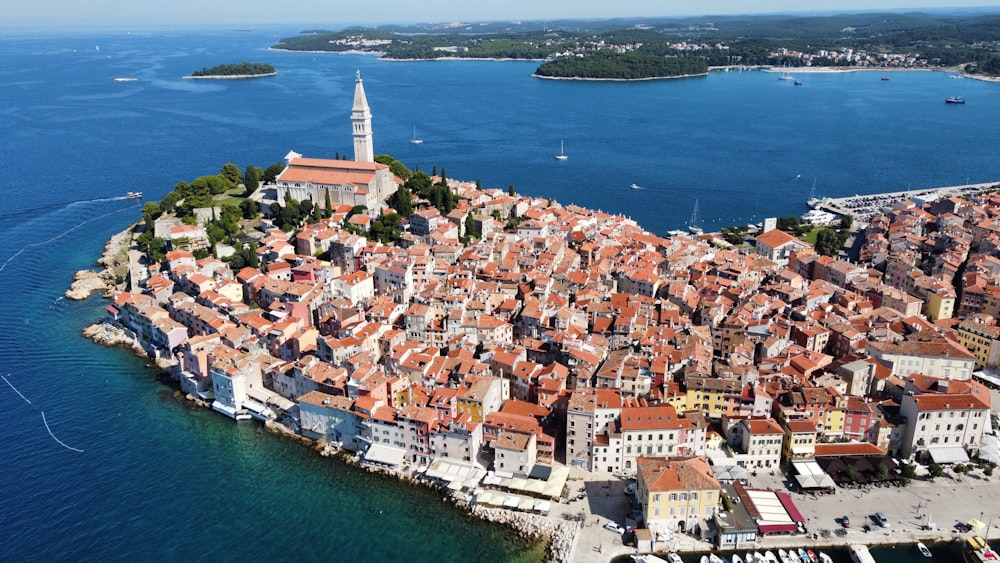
44	421
61	443
7	381
66	232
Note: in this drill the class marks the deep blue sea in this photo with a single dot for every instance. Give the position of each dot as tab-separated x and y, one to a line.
158	480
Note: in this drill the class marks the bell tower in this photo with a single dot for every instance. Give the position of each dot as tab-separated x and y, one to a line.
361	121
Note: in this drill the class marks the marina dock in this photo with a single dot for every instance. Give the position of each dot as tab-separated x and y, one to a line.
864	207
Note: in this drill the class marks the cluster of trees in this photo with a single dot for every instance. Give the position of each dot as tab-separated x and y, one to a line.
624	66
238	69
437	194
225	224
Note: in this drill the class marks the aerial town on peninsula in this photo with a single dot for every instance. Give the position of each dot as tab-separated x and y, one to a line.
508	348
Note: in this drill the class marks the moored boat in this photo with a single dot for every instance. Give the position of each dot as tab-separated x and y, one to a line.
824	558
812	556
803	555
704	559
977	550
674	558
713	558
783	555
860	554
737	558
770	557
923	549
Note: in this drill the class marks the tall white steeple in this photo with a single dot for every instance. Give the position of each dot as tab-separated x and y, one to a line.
361	120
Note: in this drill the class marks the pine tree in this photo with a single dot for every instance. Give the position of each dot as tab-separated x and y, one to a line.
329	205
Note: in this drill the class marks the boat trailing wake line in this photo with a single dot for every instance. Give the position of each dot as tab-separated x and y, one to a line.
61	443
64	233
15	389
59	205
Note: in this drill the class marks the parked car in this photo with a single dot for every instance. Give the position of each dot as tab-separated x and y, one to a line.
614	528
845	521
881	520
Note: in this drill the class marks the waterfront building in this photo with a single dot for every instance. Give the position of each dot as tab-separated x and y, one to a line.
589	417
329	418
676	493
945	419
758	443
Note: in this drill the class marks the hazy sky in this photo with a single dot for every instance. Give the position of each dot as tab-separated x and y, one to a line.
226	12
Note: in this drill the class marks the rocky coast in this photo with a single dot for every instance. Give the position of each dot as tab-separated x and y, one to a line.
114	269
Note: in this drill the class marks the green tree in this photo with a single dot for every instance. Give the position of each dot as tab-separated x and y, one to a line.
853	474
402	201
881	472
271	172
328	209
150	211
232	173
250	208
470	227
510	190
908	470
157	249
827	242
396	167
935	470
420	184
251	178
846	222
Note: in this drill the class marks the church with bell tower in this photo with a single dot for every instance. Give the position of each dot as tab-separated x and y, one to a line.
358	182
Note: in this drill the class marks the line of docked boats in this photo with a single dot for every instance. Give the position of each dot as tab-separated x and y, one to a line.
782	556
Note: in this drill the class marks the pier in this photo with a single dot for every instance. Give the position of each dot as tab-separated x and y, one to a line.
864	207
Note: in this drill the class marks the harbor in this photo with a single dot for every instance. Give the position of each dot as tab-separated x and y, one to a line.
864	207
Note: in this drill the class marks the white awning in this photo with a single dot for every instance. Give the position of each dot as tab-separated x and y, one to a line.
948	454
385	455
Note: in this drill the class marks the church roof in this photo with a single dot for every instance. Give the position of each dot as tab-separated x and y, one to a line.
328	172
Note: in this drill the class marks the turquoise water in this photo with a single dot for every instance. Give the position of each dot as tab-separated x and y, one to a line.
160	480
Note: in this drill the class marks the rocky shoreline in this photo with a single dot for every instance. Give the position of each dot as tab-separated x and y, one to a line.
86	282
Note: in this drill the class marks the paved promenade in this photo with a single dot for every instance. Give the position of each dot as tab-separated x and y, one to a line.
950	501
863	207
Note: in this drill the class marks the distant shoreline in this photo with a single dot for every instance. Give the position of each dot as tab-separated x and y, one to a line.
229	76
587	79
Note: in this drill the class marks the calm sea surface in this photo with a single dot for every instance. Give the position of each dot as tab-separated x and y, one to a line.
159	480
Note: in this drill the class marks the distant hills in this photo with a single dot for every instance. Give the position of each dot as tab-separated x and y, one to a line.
937	39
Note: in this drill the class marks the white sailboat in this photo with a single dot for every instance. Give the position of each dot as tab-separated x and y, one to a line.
562	152
415	140
694	225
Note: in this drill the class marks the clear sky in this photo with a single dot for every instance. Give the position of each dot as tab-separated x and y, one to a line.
332	12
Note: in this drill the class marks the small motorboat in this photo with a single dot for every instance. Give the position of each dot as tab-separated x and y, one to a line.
824	558
713	558
785	556
737	558
704	559
812	556
674	558
758	557
133	195
803	555
770	557
923	549
955	100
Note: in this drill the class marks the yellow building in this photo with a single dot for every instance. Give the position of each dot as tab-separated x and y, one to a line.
982	339
799	441
676	493
715	397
